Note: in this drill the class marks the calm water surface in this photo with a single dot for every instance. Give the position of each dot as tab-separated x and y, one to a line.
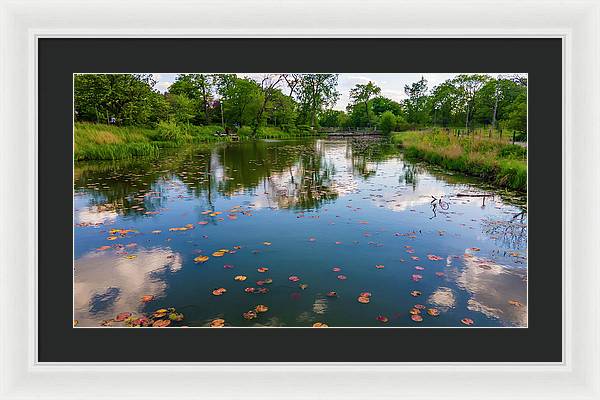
298	208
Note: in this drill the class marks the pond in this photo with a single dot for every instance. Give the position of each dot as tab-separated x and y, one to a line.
341	232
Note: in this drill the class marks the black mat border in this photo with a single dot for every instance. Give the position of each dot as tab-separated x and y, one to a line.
60	58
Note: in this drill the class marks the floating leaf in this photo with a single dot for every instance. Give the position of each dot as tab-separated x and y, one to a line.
262	269
293	278
219	291
176	316
303	286
467	321
439	273
249	290
131	257
342	277
147	298
382	318
249	315
515	303
261	308
363	299
240	278
415	311
267	243
112	237
227	266
161	323
365	294
336	269
379	266
320	325
416	318
415	293
474	248
331	294
434	312
201	259
159	313
204	223
434	257
217	323
416	277
102	248
122	316
218	254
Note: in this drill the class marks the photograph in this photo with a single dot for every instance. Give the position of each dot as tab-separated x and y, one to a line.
300	200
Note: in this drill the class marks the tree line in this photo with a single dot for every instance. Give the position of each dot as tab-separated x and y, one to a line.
300	101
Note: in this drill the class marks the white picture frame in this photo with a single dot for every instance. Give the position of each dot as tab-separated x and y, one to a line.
22	23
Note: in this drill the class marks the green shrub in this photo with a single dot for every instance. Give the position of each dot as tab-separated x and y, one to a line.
387	122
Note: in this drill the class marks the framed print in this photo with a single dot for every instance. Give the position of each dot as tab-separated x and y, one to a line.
361	205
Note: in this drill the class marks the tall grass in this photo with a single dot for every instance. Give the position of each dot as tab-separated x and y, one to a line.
109	142
495	160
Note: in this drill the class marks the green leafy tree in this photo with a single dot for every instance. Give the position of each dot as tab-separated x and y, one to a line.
416	104
361	94
316	92
128	98
387	122
198	87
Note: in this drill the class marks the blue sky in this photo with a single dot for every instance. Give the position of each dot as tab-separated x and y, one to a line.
391	84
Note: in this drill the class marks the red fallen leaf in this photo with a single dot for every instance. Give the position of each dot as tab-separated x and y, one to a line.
434	312
336	269
439	273
416	318
147	298
365	294
332	294
342	277
363	299
434	257
416	277
262	290
410	251
217	323
293	278
380	266
249	290
418	268
415	258
260	283
161	323
219	291
262	269
102	248
249	314
414	311
419	306
474	248
382	318
142	321
415	293
467	321
122	316
320	325
227	266
232	217
338	242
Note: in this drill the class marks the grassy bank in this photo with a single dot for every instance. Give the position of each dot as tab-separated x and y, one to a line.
109	142
497	161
